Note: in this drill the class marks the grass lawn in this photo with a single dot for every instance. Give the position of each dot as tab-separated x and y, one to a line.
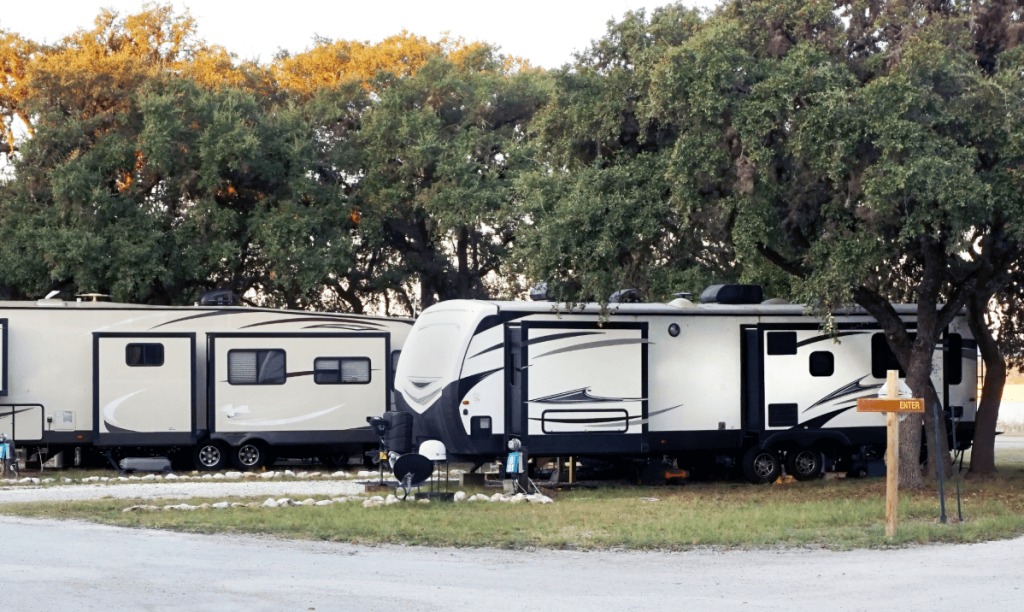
834	513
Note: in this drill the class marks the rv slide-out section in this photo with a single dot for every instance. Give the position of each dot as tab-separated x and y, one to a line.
281	389
755	385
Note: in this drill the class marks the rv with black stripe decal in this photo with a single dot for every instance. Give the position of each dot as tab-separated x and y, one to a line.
208	385
749	384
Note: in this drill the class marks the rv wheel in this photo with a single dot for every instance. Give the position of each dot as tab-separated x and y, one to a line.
210	455
249	456
804	464
761	466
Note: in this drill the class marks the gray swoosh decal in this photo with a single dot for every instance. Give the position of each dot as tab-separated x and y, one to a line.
581	396
199	316
598	344
532	341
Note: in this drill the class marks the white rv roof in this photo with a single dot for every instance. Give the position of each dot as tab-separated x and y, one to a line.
685	307
58	303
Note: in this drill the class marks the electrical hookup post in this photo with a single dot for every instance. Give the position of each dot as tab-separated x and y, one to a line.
892	406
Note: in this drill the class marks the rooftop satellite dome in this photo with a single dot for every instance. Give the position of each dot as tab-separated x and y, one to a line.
732	294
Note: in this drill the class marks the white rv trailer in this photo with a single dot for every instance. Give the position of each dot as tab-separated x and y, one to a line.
207	384
755	384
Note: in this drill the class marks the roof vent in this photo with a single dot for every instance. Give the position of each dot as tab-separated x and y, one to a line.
625	296
219	297
732	294
93	297
775	302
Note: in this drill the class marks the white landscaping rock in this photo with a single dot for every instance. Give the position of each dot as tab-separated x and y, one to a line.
285	501
422	501
149	477
250	475
270	503
268	474
391	499
66	479
171	477
365	474
460	496
517	498
289	473
238	505
207	477
325	502
218	476
122	479
48	480
314	475
104	479
539	498
373	502
497	497
233	475
221	505
308	502
134	478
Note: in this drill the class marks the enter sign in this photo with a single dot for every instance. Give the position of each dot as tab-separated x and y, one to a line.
873	404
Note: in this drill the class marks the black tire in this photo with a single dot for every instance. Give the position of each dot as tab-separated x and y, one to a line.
210	455
761	466
804	464
334	458
249	456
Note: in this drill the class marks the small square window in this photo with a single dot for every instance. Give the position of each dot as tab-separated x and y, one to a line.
782	343
823	363
257	367
341	370
149	354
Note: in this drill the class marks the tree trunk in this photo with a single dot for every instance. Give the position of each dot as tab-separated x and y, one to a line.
983	454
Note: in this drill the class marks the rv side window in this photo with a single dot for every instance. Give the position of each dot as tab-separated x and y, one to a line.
256	367
149	354
782	343
954	359
882	357
823	363
341	370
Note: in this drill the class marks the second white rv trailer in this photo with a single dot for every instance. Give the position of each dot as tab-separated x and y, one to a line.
756	384
209	384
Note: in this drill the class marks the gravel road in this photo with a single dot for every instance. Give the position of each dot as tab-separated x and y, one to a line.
180	490
58	563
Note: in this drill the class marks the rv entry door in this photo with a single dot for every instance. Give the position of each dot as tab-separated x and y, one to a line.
144	389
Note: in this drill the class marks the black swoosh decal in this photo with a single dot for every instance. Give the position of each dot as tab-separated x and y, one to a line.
845	390
114	429
467	383
532	341
199	316
598	344
814	339
300	319
819	421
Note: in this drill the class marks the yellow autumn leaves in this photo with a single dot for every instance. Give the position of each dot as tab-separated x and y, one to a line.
95	70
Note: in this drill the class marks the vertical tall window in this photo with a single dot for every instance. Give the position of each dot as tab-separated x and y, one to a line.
954	361
395	355
256	367
144	354
341	370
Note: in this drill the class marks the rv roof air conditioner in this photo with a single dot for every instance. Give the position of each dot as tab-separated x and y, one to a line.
625	296
219	297
539	293
732	294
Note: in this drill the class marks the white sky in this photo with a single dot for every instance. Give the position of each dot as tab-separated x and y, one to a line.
545	32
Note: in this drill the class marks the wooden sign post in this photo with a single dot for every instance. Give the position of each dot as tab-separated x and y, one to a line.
892	406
